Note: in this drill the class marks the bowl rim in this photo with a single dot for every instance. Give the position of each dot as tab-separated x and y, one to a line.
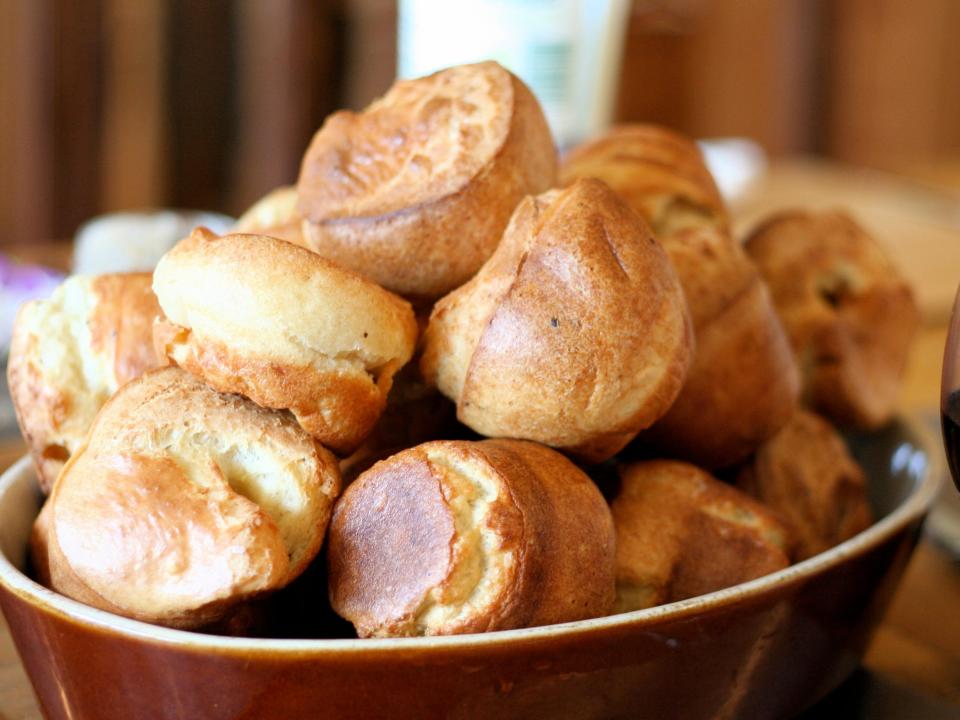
914	506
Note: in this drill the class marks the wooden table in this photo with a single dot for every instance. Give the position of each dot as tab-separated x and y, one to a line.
918	644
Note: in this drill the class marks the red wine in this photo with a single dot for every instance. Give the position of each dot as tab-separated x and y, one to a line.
950	421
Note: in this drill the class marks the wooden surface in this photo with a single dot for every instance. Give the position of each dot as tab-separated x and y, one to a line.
918	644
891	81
117	104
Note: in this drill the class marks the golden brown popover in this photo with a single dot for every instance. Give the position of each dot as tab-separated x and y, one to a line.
806	475
659	172
184	502
70	353
848	312
415	191
682	533
276	215
262	317
574	334
743	384
457	536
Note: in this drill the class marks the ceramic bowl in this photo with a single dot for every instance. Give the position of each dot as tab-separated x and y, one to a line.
763	649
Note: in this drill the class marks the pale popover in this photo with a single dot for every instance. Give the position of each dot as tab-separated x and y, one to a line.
415	191
275	214
682	533
185	502
455	536
744	384
574	334
70	353
660	173
849	314
259	316
806	475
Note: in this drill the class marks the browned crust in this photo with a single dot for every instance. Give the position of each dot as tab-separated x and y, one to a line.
125	489
586	339
315	361
682	533
124	317
744	383
38	407
577	541
647	165
806	474
426	250
848	313
169	397
338	409
392	540
120	327
156	490
713	269
59	575
274	215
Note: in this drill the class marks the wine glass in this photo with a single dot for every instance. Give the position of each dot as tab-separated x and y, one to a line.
950	394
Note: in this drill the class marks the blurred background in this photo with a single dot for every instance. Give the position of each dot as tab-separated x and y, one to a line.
116	104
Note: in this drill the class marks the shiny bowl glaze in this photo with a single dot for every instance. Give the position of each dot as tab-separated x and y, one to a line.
763	649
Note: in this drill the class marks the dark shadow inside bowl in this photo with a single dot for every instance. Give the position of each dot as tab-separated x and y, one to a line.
19	504
895	472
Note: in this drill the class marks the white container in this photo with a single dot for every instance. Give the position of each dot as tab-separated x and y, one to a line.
568	51
135	241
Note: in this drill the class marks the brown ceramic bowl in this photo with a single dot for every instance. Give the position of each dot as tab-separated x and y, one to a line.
763	649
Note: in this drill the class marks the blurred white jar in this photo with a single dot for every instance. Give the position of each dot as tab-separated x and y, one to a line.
568	51
135	241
